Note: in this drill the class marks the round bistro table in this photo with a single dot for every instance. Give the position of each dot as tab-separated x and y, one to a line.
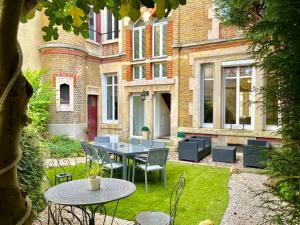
76	194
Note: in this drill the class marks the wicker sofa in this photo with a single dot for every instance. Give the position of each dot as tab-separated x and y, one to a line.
194	148
255	153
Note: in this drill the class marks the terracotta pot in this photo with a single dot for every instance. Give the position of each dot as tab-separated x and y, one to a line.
94	183
145	135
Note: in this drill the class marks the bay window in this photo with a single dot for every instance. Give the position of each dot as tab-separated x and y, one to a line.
111	26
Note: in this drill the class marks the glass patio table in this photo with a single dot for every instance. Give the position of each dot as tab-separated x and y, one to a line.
76	194
124	150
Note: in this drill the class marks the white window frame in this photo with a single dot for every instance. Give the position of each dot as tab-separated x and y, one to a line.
160	70
161	38
140	31
104	97
131	116
140	72
60	107
94	27
238	64
202	88
105	30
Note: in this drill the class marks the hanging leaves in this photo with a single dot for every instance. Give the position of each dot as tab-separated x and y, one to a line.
77	15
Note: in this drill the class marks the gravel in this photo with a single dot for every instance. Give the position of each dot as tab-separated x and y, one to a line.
244	201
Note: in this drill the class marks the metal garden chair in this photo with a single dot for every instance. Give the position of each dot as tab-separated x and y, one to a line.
161	218
135	141
108	163
102	139
147	143
88	153
157	144
156	161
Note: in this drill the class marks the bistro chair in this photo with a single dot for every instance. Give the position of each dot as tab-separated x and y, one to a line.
88	153
156	161
102	139
109	163
161	218
135	141
157	144
147	143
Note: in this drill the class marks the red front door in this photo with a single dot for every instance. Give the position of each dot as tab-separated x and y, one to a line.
92	116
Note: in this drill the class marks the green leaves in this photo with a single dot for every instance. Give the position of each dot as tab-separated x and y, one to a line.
72	15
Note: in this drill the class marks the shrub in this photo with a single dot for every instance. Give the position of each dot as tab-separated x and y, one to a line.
43	94
145	129
30	168
63	146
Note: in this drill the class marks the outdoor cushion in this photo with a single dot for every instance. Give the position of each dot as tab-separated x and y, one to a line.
150	168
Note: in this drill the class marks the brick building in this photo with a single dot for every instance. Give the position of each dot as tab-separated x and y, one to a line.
186	73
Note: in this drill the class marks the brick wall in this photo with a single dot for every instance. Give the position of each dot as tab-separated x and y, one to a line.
67	65
227	32
110	49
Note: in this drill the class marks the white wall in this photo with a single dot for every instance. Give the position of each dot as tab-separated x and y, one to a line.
162	117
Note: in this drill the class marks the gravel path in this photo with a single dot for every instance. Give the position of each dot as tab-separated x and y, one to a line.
243	207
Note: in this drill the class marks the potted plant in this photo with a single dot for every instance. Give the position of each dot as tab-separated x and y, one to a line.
145	132
180	136
94	176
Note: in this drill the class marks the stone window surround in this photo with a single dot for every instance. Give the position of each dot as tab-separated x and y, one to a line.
140	68
216	57
104	91
69	81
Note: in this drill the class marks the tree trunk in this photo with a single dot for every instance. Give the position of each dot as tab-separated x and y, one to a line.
13	113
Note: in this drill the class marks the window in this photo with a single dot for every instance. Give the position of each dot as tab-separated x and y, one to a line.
238	84
206	95
139	40
92	25
160	38
159	70
139	72
110	100
64	94
111	26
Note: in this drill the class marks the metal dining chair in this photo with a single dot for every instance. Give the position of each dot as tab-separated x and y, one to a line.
156	161
87	151
108	163
135	141
157	144
102	139
147	143
161	218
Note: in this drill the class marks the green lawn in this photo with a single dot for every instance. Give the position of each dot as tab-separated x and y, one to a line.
205	195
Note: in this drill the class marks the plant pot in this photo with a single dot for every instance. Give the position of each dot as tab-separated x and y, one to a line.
145	135
94	183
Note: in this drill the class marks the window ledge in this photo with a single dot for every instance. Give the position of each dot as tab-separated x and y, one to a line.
116	40
93	42
110	125
157	81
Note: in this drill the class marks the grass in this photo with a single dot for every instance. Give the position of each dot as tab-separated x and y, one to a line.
205	195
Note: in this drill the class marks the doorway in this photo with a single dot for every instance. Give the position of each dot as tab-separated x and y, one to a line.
92	116
162	116
137	115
